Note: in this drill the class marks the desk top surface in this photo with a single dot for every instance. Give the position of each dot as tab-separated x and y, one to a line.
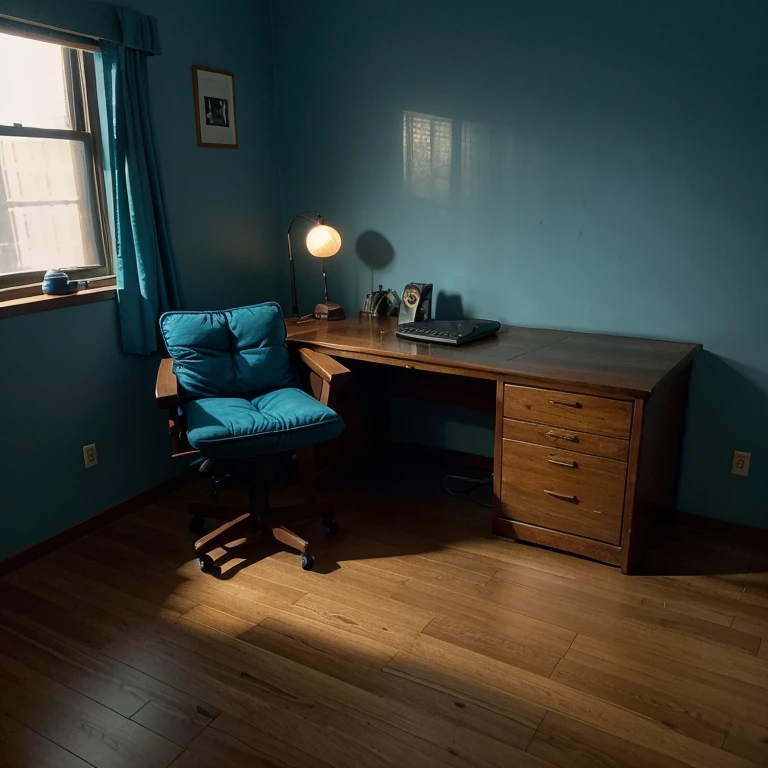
622	365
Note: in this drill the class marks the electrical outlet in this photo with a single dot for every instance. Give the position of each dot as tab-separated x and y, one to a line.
740	463
90	457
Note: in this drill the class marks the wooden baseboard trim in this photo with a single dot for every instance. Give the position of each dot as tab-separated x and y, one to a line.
595	550
90	524
722	527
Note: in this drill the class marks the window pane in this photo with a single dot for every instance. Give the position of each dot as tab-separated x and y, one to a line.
33	88
46	206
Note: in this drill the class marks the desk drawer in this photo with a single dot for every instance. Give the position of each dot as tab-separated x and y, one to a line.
599	415
563	490
566	439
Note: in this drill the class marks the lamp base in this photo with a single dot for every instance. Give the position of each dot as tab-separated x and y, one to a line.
327	310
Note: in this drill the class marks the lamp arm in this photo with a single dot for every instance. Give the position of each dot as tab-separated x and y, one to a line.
302	215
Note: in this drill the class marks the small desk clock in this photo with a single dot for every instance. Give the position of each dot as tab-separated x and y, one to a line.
416	303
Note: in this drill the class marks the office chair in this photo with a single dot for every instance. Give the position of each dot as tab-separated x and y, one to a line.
231	394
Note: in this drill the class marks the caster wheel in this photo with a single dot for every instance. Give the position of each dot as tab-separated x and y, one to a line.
307	562
330	527
197	524
206	563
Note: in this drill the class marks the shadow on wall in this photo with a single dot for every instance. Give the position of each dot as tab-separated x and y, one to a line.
375	251
728	411
449	306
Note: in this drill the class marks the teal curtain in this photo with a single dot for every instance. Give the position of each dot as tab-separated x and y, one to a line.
147	283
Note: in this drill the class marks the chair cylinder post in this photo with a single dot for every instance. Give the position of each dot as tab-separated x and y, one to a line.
258	489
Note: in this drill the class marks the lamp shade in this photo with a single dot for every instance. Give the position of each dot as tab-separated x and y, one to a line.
323	241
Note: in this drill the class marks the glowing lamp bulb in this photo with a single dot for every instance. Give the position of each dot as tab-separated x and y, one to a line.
323	241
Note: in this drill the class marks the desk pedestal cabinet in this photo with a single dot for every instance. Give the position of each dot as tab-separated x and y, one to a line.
588	428
590	475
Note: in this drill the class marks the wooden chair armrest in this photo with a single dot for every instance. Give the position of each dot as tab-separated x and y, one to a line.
326	367
166	387
167	398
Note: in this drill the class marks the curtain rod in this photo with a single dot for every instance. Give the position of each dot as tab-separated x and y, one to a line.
27	28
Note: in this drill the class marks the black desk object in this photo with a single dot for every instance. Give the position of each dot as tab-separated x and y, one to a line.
454	332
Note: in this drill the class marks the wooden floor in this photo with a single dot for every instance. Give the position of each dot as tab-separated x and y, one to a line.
419	641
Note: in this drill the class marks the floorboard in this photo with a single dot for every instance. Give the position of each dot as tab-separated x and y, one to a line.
418	641
23	748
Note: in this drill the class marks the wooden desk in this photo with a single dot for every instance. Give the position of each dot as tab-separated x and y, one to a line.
588	429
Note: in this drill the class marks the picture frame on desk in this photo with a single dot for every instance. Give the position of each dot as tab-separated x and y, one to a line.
215	108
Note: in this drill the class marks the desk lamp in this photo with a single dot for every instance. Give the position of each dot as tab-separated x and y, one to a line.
323	242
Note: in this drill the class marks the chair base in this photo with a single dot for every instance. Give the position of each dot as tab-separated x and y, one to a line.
245	527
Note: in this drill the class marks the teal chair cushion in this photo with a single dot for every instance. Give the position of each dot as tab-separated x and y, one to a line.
230	353
235	427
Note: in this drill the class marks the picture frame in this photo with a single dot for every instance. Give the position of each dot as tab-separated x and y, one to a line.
215	108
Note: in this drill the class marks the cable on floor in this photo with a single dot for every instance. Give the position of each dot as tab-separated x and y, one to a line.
472	484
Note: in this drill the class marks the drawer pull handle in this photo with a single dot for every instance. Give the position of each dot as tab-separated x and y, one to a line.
570	464
563	496
567	405
561	436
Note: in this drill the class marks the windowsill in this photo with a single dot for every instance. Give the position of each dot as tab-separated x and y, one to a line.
43	303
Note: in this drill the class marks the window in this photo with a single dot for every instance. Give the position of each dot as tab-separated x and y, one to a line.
52	211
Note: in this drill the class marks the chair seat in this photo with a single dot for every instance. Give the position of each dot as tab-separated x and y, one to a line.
281	420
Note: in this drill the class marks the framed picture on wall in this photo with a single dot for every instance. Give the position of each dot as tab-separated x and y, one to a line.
215	108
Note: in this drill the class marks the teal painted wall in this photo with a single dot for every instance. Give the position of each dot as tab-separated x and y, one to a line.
607	173
63	381
612	180
65	384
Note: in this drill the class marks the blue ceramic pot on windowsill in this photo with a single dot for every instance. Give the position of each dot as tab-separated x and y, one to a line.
57	283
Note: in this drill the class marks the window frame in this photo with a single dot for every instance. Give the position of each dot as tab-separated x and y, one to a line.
83	99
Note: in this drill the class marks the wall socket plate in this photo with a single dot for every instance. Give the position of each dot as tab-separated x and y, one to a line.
740	463
90	457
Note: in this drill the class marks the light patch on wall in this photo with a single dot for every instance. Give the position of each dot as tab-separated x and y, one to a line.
444	158
477	154
427	156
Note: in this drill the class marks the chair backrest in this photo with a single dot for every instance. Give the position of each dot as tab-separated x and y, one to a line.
230	353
